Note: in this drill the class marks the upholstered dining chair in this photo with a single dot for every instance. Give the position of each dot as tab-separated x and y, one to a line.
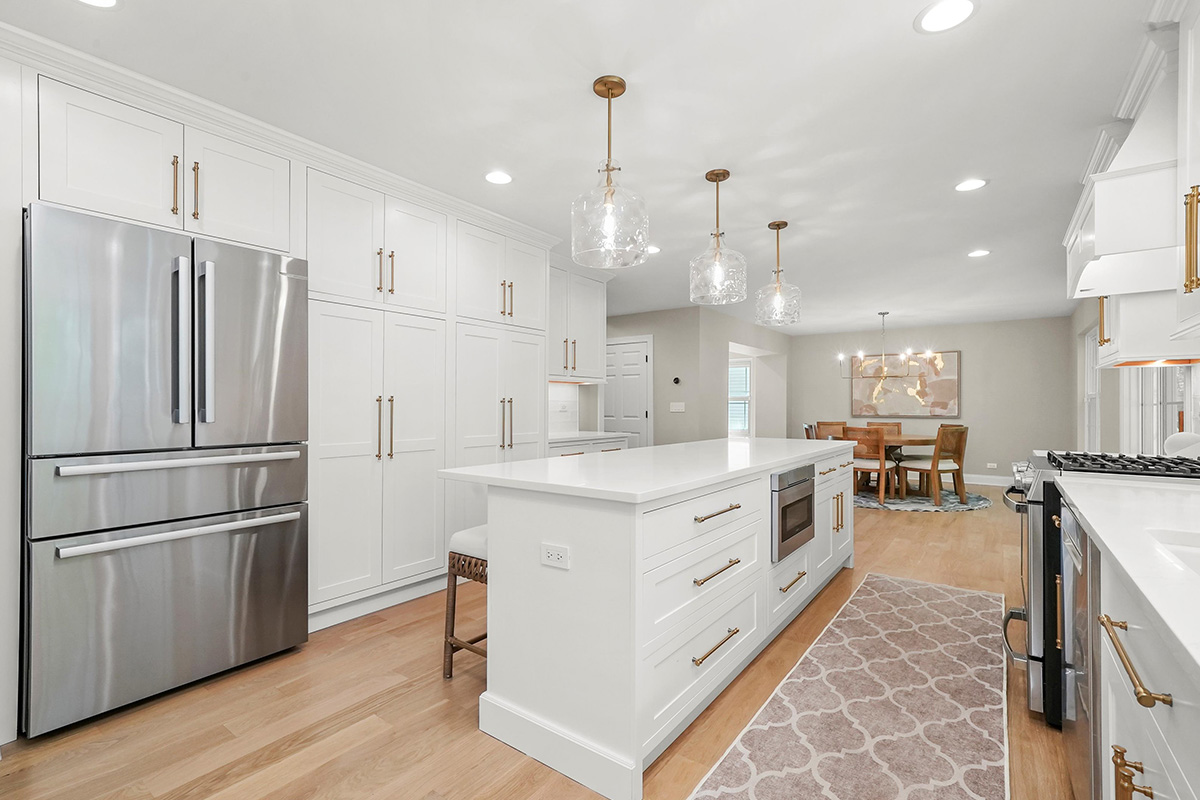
870	458
949	455
831	430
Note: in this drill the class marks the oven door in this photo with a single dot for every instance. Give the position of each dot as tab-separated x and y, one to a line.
792	519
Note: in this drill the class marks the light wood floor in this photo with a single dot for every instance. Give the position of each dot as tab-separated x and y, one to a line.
362	711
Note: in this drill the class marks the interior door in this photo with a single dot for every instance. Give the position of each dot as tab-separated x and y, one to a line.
236	192
588	327
415	244
525	267
524	376
345	238
415	405
482	286
480	417
251	346
627	391
108	324
345	453
557	335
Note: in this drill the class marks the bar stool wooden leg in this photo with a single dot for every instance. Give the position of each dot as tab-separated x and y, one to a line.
451	602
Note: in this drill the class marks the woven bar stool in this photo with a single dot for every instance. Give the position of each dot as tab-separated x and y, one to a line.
468	559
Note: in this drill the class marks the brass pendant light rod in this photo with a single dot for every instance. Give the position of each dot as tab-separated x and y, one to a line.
716	176
777	226
609	87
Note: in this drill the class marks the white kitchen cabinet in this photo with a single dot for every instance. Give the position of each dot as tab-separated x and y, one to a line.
415	241
1187	313
345	238
558	335
1140	327
377	389
236	192
577	326
821	547
500	279
106	156
843	527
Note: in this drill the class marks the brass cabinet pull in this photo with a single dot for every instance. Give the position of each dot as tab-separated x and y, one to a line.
612	449
195	190
795	580
1191	280
392	426
841	510
565	357
1123	776
707	517
175	185
1118	758
392	258
503	299
707	578
379	439
847	464
1102	338
1057	520
564	455
511	420
379	253
501	423
827	471
512	298
1145	697
1058	629
574	354
732	632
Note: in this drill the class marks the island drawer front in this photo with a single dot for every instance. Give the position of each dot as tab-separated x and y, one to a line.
787	586
832	469
718	512
1156	666
671	593
575	449
674	682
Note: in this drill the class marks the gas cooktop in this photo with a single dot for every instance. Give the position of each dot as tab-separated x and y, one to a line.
1117	464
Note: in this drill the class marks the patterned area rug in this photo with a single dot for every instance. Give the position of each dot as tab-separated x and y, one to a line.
916	502
900	698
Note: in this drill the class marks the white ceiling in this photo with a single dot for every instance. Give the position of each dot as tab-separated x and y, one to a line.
836	116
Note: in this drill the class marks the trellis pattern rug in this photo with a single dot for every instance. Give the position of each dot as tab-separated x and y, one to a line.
916	502
900	698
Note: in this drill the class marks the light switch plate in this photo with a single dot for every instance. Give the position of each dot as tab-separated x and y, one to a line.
676	408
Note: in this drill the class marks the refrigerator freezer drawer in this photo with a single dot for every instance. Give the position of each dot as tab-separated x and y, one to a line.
116	617
75	495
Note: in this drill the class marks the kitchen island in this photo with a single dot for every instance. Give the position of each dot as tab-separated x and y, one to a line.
626	590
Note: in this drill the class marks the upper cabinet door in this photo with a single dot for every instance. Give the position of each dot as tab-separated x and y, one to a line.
525	269
559	339
236	192
588	327
482	286
109	157
345	238
1189	154
415	241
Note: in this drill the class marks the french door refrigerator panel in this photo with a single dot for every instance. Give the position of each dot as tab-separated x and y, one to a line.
251	362
119	616
108	335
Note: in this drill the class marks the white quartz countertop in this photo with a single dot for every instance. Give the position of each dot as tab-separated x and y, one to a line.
585	436
651	473
1129	519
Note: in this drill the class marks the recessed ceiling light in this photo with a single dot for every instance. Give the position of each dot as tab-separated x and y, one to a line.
978	253
498	177
944	15
652	249
100	3
970	185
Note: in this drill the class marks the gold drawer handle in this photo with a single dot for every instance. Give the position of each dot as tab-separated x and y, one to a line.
827	471
795	580
732	632
612	449
1145	697
847	464
564	455
1119	759
704	580
1191	280
707	517
196	190
175	185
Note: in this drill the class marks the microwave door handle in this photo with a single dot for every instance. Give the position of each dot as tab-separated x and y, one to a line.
181	410
208	343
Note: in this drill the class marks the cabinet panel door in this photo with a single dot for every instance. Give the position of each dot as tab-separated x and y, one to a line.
480	258
525	267
346	476
102	155
415	243
238	193
589	333
415	423
821	547
345	238
1189	152
843	540
480	417
558	339
524	374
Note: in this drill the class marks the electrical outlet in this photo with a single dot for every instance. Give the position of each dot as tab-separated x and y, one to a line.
991	465
556	555
676	408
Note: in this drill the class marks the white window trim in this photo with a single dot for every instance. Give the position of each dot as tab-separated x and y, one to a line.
747	362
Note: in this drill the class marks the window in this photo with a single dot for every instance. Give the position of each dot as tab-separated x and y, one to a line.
741	405
1158	398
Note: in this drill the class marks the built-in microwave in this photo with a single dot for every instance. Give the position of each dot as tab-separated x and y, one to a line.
793	522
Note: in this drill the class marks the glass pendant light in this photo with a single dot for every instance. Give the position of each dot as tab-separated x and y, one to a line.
777	303
609	225
718	274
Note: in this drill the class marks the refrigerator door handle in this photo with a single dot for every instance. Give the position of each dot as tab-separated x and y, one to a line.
69	471
170	536
208	343
181	412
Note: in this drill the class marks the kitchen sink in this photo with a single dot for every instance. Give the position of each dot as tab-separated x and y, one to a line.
1181	546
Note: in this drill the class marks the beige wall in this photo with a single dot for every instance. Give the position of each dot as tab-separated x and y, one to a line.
1017	384
693	345
1085	318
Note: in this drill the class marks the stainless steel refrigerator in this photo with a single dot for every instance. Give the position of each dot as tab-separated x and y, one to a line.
166	410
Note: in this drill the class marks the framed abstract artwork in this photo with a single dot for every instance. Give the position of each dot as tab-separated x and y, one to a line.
898	385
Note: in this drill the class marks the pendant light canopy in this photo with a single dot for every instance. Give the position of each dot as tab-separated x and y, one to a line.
718	275
777	303
609	225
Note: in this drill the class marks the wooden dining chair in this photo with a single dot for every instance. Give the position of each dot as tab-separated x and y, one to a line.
831	430
810	431
949	455
890	427
870	458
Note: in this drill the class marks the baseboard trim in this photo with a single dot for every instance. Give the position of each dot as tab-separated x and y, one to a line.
988	480
335	615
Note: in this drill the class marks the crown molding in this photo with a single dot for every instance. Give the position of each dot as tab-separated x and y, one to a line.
1108	143
92	74
1165	12
1147	66
1086	200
